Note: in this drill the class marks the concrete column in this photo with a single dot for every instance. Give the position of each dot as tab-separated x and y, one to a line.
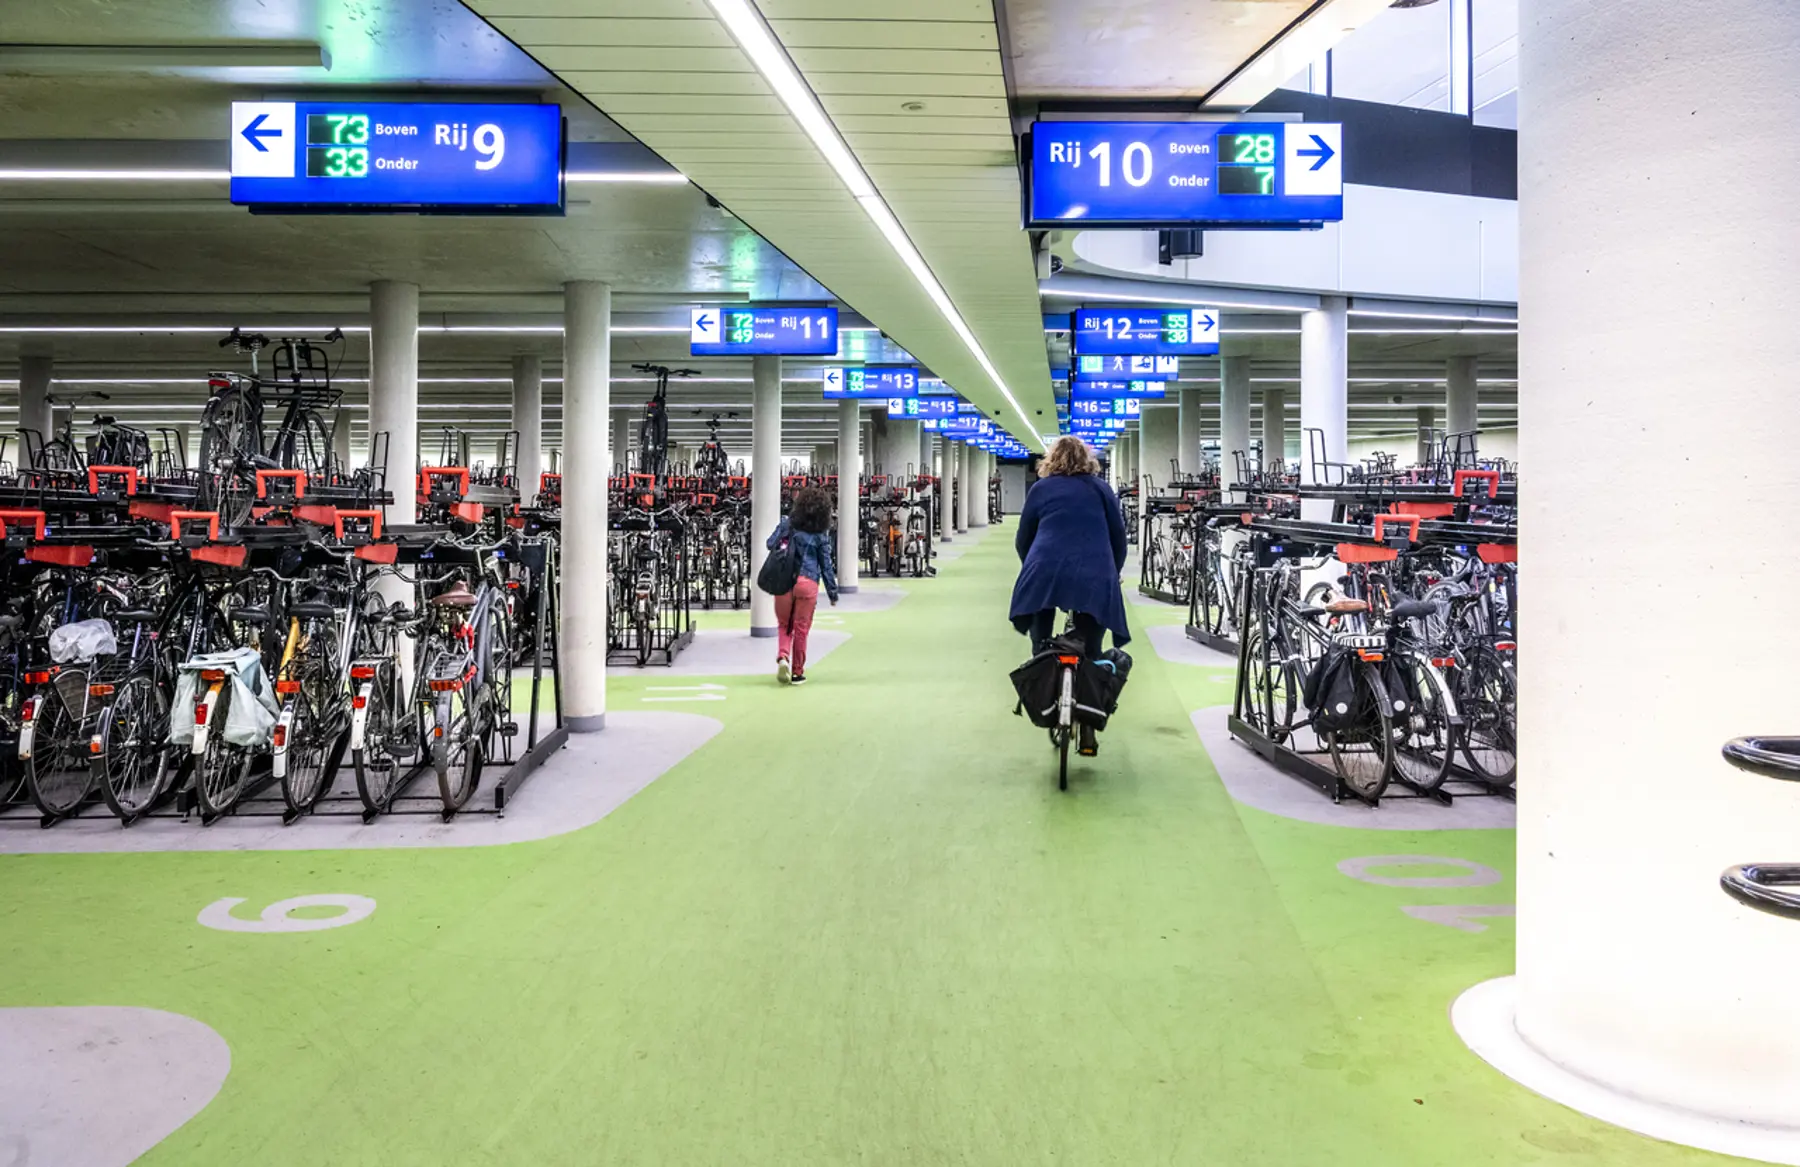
1159	438
822	456
1274	419
765	481
394	388
1234	420
849	473
981	468
1427	423
340	437
587	401
528	419
1324	391
1190	403
961	457
942	466
1661	1002
624	424
1460	396
34	399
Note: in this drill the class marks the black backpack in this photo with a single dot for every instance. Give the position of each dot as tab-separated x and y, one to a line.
781	570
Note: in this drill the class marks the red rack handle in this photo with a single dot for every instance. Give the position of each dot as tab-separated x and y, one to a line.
35	518
263	476
211	518
374	517
1462	476
460	473
1411	521
130	473
546	478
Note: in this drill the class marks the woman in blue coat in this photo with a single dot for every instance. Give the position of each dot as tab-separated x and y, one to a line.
1071	542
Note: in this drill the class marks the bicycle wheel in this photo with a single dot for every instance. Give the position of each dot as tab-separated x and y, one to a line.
1363	755
312	743
132	768
1423	740
57	773
230	441
1062	758
645	630
219	773
377	769
1487	698
457	755
309	448
497	680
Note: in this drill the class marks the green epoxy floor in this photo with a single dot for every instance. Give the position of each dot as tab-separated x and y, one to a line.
859	926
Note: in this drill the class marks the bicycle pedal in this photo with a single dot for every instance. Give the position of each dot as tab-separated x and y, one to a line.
507	729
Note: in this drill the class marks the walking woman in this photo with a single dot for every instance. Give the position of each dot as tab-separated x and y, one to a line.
807	524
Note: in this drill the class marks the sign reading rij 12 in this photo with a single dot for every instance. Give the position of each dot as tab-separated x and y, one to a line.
1123	368
1179	174
889	382
763	330
1131	331
362	156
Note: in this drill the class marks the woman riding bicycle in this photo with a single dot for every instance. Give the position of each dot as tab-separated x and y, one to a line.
1071	544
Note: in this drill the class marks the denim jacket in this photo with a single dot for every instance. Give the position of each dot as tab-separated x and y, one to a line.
815	554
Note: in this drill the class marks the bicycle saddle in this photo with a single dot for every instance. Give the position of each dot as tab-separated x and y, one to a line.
251	614
129	616
1412	610
457	595
312	610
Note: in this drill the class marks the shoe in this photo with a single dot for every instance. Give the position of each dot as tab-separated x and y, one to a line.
799	679
1090	744
784	672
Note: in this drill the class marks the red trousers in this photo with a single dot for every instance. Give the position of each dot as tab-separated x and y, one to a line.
794	613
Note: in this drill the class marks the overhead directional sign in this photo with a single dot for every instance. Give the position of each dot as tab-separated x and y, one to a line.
367	156
875	381
1123	368
922	406
763	330
1105	407
1108	390
1182	174
1129	330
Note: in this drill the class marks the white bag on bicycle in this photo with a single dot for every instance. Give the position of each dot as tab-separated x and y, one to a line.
251	713
81	641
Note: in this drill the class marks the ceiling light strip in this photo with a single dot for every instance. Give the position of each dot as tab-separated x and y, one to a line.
753	36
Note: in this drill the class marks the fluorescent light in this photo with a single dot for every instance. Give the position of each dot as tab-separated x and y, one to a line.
747	27
670	177
18	175
1298	45
1463	316
1113	297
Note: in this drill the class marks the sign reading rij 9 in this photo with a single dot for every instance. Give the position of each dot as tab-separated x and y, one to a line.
1179	174
1131	331
763	330
359	156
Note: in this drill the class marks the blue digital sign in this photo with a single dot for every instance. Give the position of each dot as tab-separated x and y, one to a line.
764	330
884	382
1180	174
1108	390
938	407
359	156
1102	407
1135	331
1124	368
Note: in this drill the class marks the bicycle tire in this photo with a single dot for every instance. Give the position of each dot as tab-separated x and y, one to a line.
132	730
219	773
376	766
309	448
312	741
457	754
1062	762
497	651
230	441
1424	743
1363	756
57	774
1488	702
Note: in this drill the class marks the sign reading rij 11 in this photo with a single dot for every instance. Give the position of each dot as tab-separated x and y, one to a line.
888	382
1179	174
1129	331
763	330
385	156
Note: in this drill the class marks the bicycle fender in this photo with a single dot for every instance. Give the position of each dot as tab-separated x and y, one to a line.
359	715
278	760
28	728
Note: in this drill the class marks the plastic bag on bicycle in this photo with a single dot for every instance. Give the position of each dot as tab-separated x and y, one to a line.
1038	683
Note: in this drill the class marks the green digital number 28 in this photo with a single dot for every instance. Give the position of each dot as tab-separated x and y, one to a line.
1255	148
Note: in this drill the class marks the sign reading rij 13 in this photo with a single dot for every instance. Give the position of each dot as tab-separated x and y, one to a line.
1181	174
360	156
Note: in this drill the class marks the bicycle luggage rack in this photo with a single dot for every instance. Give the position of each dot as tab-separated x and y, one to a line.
1762	885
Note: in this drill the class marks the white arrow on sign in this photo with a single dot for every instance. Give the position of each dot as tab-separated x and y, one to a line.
833	381
703	326
683	688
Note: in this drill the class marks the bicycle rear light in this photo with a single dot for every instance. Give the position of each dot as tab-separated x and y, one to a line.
362	672
211	675
100	690
287	688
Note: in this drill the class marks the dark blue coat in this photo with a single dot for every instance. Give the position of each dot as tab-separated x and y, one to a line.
1071	542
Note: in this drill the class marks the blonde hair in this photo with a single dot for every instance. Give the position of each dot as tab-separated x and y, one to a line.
1068	455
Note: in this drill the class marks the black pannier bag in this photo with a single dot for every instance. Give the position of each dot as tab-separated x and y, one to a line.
1038	682
1332	700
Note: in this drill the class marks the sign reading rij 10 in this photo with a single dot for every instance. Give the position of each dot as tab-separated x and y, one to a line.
359	156
763	330
876	382
1181	174
1129	331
